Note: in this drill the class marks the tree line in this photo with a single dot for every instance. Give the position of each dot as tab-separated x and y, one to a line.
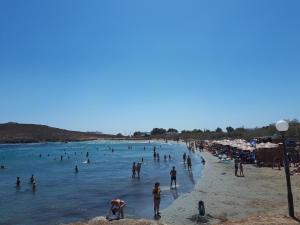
229	132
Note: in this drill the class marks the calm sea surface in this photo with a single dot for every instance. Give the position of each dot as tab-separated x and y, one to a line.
62	196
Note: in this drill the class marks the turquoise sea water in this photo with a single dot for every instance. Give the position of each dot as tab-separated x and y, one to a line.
62	196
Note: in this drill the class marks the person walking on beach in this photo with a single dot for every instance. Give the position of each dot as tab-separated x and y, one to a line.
133	170
189	163
76	169
184	158
173	174
117	206
241	169
156	199
170	157
236	166
157	156
87	154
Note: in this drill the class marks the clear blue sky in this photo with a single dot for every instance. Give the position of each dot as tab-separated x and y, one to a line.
121	66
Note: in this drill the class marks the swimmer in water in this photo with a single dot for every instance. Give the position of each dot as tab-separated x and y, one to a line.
33	186
31	178
18	182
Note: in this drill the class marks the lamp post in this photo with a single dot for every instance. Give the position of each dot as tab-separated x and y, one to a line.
283	126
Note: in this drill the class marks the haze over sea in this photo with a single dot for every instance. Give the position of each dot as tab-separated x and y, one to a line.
62	196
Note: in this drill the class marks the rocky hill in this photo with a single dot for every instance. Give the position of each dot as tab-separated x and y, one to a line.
30	133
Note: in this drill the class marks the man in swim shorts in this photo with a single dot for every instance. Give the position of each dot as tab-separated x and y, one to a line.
173	176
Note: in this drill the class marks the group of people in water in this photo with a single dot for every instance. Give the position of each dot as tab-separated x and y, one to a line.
31	181
117	205
136	169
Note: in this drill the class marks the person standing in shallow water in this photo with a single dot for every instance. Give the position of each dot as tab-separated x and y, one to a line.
173	176
184	158
32	179
156	199
189	163
133	170
138	169
18	183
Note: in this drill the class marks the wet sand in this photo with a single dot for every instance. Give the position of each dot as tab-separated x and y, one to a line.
261	192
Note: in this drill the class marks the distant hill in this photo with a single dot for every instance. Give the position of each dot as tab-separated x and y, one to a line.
31	133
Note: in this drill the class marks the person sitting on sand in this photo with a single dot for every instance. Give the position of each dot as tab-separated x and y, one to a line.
156	199
201	208
173	176
117	206
133	170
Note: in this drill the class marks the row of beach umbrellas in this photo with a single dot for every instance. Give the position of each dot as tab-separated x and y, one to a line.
244	145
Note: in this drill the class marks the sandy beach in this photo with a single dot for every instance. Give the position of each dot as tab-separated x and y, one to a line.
261	192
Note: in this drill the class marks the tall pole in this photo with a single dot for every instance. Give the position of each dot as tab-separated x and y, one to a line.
288	179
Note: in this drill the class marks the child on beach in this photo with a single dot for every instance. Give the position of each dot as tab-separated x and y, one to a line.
156	199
